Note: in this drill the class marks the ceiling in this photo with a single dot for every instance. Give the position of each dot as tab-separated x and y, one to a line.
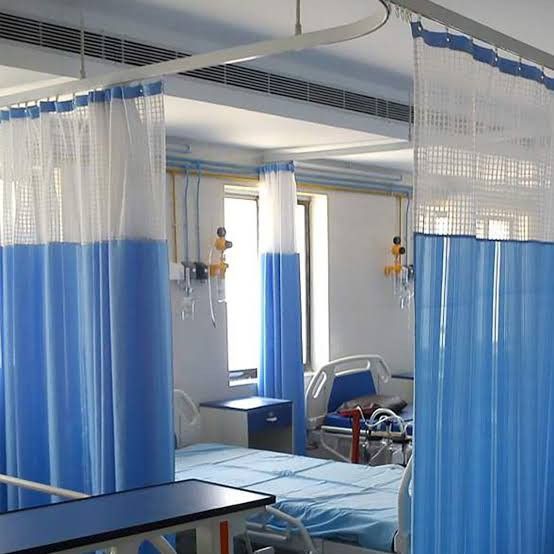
225	125
384	56
15	79
233	126
398	160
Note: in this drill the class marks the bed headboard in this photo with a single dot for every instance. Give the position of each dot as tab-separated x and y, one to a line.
355	371
186	419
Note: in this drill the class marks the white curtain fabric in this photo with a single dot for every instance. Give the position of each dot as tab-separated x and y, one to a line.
83	170
277	209
281	370
483	164
85	321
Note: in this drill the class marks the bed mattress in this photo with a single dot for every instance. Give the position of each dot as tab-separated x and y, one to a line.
334	500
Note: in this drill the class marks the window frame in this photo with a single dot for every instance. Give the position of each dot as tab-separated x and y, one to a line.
305	201
248	375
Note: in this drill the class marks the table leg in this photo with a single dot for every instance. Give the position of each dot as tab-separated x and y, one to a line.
126	547
214	537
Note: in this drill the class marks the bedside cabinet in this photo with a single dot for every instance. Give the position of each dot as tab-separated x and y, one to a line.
252	422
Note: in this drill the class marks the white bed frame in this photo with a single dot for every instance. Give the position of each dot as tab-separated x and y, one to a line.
321	385
319	390
161	544
295	537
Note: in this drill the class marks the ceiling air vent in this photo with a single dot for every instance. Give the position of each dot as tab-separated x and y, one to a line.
216	74
288	87
123	50
360	103
328	96
246	77
135	53
20	29
59	37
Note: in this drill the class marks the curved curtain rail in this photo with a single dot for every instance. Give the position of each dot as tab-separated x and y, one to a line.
236	54
476	30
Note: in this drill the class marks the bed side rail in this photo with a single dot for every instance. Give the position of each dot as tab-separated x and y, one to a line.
266	534
186	419
321	384
160	543
403	537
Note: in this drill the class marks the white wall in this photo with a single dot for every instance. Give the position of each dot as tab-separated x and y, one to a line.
364	315
199	349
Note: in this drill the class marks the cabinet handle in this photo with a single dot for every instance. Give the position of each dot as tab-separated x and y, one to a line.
271	419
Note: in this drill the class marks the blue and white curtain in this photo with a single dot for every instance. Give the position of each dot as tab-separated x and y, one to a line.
85	364
281	367
484	222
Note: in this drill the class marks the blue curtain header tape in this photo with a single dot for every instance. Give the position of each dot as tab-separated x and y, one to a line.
277	166
481	54
83	100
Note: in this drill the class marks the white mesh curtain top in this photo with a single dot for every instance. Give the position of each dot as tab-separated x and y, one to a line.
83	170
484	137
281	368
277	209
85	357
484	362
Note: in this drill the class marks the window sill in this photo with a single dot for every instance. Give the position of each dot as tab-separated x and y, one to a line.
243	382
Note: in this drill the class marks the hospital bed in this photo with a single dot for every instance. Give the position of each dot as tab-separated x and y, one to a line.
342	380
323	506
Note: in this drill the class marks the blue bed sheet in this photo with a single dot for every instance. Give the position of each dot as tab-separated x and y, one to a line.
334	500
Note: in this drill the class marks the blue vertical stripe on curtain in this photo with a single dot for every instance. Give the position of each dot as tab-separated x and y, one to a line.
484	377
85	375
483	474
281	366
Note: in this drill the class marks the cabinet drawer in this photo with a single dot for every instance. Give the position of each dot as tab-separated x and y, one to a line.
270	417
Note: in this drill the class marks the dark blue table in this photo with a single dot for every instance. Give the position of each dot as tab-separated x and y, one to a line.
248	403
126	519
251	422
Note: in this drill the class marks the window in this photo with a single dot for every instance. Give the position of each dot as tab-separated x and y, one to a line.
243	287
493	229
441	225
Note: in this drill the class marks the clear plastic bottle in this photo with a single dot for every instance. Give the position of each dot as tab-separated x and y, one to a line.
188	301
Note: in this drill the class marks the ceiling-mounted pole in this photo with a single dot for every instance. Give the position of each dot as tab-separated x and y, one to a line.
298	26
476	30
236	54
83	73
